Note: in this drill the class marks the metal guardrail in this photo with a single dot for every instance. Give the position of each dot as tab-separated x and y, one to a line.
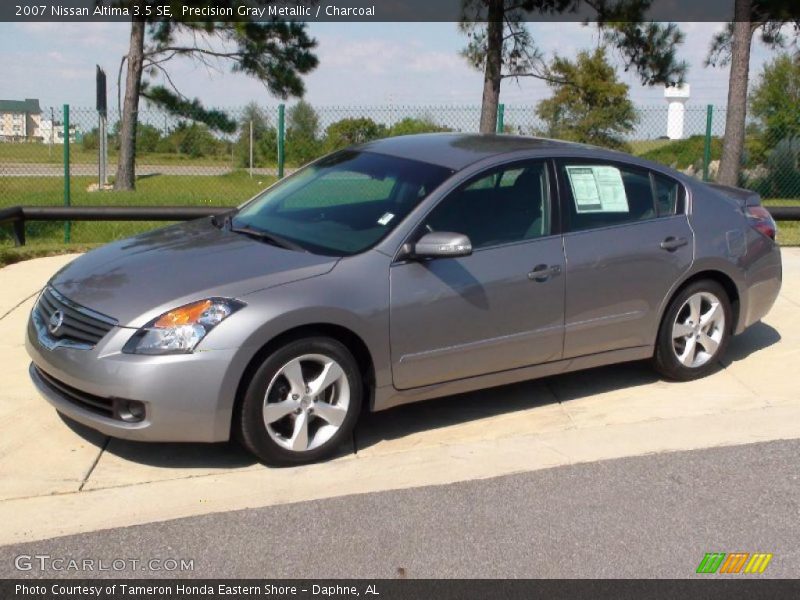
784	213
18	215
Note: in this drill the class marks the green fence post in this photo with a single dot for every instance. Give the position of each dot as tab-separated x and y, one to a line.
501	108
707	147
281	141
67	200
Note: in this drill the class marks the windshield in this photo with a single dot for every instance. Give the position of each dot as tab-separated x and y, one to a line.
343	204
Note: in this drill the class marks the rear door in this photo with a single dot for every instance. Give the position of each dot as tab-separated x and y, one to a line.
500	308
627	241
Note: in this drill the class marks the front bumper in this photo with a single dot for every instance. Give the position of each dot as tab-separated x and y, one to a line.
187	397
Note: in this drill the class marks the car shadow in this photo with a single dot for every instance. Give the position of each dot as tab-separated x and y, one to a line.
755	338
414	418
224	455
410	419
449	411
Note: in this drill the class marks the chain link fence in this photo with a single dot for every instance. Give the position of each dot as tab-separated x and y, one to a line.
185	162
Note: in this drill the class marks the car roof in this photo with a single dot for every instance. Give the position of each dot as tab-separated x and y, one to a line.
458	150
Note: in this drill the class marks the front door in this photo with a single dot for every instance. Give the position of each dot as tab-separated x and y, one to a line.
500	308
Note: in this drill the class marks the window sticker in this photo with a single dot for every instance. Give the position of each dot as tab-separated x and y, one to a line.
385	218
597	189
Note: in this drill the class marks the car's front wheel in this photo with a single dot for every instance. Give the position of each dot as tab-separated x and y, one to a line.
694	332
301	403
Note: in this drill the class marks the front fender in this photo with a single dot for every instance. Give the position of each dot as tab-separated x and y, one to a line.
339	298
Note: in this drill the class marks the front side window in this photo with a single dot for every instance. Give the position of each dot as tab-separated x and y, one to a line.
343	204
506	205
601	195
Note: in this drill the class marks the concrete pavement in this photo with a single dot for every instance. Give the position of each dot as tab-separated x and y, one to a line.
58	478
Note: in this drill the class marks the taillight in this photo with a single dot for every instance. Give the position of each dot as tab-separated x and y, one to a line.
762	221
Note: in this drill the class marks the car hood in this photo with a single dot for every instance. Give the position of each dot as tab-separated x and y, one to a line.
136	279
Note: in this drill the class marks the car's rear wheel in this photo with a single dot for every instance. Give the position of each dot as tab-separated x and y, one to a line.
694	332
301	403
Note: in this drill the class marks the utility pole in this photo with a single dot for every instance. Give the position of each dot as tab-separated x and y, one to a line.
52	133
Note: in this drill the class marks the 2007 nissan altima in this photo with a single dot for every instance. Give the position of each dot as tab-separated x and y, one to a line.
396	271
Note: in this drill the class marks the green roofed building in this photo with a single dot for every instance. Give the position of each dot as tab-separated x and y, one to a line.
20	120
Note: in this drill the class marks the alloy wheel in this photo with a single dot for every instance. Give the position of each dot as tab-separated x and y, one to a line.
698	329
306	402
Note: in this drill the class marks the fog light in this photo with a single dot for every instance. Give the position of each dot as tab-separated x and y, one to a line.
131	411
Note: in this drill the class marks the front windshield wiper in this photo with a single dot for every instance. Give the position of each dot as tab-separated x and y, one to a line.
266	236
223	220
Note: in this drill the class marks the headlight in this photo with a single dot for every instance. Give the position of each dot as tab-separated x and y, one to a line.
180	330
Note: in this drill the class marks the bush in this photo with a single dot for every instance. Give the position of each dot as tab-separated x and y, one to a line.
90	140
411	125
192	139
681	154
147	138
783	171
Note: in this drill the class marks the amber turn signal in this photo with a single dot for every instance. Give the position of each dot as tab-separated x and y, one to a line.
185	315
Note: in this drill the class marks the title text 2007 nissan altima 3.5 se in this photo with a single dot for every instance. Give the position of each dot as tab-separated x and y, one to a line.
396	271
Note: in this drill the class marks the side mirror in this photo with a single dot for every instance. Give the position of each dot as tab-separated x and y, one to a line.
442	244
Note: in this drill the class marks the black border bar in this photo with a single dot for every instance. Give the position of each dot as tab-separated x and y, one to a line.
375	10
713	588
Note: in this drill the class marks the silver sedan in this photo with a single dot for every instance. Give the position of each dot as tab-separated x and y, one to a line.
400	270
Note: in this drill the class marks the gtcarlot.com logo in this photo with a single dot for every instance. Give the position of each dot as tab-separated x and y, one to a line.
735	562
46	562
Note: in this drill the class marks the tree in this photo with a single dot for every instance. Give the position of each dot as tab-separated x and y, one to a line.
775	100
302	133
500	45
593	108
265	138
347	132
732	47
276	52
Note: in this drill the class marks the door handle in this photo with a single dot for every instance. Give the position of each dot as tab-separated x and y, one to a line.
672	243
544	272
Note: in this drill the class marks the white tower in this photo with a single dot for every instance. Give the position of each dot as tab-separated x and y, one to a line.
676	96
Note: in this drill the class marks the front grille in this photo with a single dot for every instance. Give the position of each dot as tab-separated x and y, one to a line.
95	404
78	324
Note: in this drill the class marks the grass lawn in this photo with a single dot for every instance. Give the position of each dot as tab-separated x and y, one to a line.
10	254
788	231
43	153
159	190
639	147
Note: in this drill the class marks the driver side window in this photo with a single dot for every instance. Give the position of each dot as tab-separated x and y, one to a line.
508	204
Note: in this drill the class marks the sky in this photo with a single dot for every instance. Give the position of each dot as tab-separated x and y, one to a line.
360	64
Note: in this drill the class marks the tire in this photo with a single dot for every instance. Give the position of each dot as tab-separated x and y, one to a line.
301	403
684	349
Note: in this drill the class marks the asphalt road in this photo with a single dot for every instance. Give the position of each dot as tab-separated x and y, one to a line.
650	516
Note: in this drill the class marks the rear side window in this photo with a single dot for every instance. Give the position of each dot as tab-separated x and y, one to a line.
604	194
669	195
601	195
